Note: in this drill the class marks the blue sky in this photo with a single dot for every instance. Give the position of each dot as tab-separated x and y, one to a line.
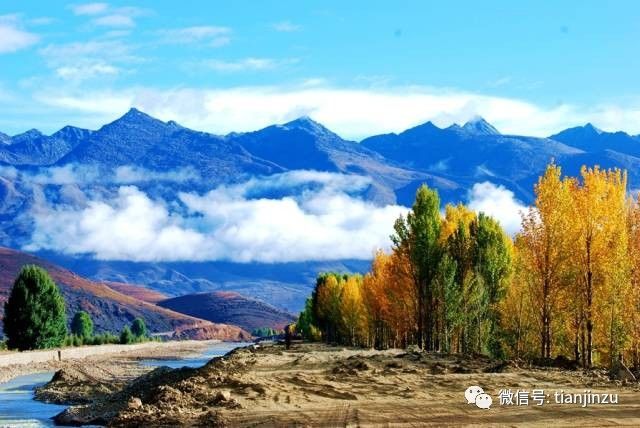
359	67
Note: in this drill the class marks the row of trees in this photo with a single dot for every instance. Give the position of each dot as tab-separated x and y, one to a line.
576	291
568	284
35	317
439	288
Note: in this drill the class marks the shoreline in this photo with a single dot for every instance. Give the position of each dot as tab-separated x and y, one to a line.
15	364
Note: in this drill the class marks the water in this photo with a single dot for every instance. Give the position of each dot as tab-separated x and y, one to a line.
215	350
19	409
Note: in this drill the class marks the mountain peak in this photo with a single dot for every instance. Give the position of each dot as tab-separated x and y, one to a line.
591	128
30	134
478	125
135	118
134	113
307	124
71	133
577	132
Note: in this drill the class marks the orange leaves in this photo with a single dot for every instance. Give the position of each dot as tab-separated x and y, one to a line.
390	298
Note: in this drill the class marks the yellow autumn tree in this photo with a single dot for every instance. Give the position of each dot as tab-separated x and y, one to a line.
543	251
390	301
352	312
632	304
600	259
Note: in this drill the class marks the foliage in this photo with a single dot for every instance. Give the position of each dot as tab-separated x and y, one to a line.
439	288
139	328
568	285
104	339
126	336
576	290
35	316
81	325
98	339
265	332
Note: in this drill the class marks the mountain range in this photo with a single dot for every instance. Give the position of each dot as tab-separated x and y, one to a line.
451	159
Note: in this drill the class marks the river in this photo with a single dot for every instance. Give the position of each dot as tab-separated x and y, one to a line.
19	409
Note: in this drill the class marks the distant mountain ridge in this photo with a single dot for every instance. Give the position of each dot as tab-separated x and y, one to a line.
451	159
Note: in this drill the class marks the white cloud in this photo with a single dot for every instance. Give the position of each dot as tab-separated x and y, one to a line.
115	20
133	174
87	175
78	61
498	202
286	27
213	36
12	37
234	223
106	16
352	113
246	64
86	71
90	8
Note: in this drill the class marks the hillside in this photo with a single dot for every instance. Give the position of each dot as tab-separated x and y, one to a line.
137	291
231	308
110	309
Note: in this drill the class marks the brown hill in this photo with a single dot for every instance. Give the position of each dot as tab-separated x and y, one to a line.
137	291
230	308
111	310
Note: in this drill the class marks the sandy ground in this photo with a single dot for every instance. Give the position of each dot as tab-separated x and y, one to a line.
316	385
119	364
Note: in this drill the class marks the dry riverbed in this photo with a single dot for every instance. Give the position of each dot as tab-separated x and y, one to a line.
317	385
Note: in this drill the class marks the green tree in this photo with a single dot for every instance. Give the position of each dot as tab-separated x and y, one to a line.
126	336
82	326
139	328
492	257
417	237
35	316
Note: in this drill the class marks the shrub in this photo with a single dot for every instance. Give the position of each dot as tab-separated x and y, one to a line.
82	326
265	332
35	315
126	337
77	340
105	339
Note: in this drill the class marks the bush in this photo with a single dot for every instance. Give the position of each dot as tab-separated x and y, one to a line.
139	328
265	332
105	339
82	326
3	345
34	315
77	340
126	337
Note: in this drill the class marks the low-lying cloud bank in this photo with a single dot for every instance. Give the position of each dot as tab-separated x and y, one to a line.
323	221
88	174
291	217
